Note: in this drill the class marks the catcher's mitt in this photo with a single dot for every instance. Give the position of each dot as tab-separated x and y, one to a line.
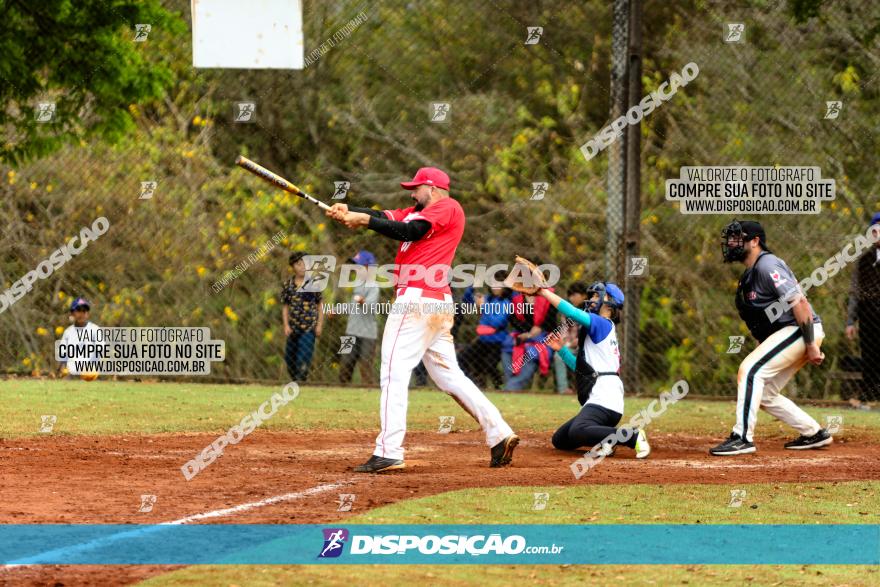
525	277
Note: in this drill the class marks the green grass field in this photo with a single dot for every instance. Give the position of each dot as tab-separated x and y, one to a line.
106	407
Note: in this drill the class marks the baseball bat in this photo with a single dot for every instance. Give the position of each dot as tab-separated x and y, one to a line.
277	180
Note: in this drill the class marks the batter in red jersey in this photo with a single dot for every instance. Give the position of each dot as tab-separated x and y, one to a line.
418	328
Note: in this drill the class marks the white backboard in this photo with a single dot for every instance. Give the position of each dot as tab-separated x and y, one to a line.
254	34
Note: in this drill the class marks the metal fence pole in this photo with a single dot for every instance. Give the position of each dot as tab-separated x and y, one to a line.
632	284
617	151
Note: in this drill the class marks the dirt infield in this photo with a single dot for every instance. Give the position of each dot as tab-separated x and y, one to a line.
296	478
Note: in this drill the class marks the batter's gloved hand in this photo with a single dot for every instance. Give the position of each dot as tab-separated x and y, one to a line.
525	277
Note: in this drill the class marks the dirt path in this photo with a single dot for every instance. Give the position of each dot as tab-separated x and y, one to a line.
296	478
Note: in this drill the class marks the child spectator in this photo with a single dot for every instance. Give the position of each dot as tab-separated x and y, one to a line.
480	359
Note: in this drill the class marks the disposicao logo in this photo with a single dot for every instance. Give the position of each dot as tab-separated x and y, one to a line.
334	540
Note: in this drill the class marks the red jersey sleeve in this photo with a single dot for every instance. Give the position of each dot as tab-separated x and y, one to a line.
398	214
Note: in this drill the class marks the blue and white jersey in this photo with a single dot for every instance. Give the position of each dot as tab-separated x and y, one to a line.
602	352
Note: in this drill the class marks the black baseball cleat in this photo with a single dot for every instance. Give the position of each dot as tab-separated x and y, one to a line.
819	439
502	453
379	465
734	445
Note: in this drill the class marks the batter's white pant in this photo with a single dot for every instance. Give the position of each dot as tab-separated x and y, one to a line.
417	330
764	373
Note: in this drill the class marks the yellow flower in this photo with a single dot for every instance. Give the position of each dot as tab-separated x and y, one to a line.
101	286
300	247
321	226
33	185
267	336
61	295
270	302
26	361
224	248
49	188
189	154
10	174
201	271
205	122
686	341
42	331
59	330
664	301
229	216
117	298
197	120
230	314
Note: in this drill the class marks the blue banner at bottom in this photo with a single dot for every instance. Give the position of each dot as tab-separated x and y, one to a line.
166	544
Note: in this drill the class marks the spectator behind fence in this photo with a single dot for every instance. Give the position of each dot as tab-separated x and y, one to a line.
577	295
479	359
362	325
524	352
303	319
864	309
75	335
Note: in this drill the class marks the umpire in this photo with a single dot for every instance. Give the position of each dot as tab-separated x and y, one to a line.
864	308
786	344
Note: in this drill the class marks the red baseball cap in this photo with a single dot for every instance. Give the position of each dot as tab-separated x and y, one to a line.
427	176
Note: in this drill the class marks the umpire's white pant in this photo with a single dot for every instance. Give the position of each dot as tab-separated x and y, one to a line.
416	331
764	373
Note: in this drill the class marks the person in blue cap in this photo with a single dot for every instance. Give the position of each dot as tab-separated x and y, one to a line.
597	372
73	334
863	310
362	325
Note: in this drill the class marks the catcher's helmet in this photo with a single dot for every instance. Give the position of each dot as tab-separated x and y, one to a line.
604	289
734	236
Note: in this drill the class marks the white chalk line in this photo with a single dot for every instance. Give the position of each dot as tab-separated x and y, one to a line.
99	542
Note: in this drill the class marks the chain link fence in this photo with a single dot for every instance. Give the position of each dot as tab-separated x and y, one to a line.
502	96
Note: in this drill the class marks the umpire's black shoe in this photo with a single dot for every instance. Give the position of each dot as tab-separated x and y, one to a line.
502	453
819	439
734	445
378	465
